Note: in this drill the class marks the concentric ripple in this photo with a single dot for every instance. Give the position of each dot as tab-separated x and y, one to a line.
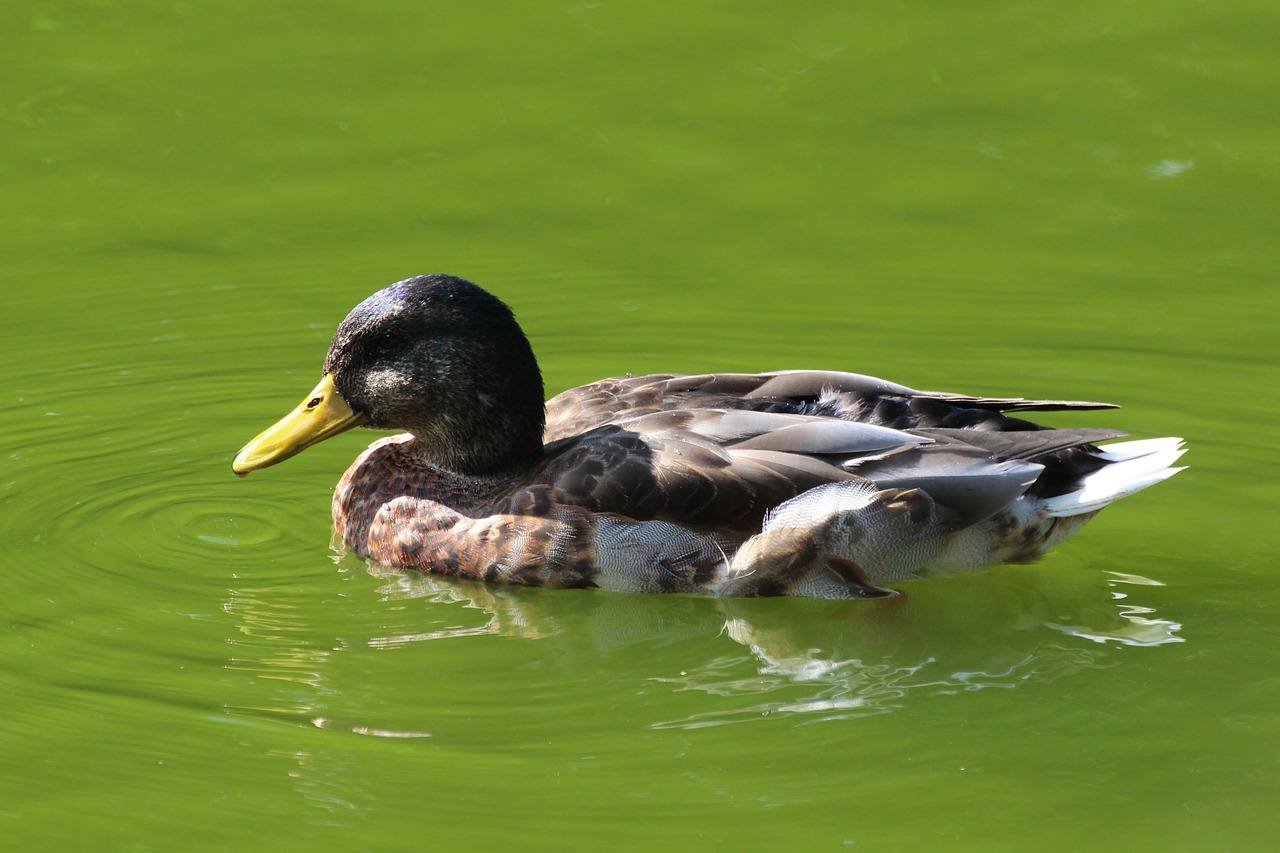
115	468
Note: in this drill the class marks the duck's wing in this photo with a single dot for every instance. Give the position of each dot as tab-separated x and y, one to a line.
710	468
848	396
1021	444
814	384
612	400
722	449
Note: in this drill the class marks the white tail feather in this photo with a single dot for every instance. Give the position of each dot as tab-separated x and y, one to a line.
1134	466
1122	450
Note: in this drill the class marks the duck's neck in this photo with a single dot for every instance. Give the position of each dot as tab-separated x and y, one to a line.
490	442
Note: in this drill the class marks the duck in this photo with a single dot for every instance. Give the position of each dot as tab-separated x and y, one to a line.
812	483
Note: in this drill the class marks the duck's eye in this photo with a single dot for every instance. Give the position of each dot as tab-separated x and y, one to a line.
314	401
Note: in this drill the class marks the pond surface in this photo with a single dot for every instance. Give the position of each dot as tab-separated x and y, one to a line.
1076	201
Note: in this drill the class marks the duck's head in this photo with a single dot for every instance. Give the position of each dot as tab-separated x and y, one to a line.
435	356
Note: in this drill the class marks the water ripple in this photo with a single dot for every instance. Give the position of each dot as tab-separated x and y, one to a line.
120	480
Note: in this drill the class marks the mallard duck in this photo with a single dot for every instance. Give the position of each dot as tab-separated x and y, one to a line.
798	482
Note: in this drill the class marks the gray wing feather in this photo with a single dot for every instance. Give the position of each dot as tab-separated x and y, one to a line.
830	436
964	480
812	383
1013	404
1021	444
787	433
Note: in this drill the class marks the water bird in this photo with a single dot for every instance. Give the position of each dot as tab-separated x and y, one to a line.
796	482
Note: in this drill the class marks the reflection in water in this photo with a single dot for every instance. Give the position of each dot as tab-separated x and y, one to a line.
825	660
505	616
821	684
276	647
273	646
1138	628
697	662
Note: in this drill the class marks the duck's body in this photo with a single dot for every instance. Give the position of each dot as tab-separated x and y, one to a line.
798	482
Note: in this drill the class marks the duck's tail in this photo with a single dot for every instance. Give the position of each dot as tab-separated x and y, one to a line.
1134	465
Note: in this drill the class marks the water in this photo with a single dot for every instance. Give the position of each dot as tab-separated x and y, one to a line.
1072	202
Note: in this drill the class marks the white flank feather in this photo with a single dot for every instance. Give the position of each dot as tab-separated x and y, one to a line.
1134	466
819	504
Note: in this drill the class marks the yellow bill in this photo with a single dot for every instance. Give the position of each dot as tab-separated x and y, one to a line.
322	414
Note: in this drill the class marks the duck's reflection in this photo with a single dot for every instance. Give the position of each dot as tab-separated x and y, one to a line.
661	662
827	658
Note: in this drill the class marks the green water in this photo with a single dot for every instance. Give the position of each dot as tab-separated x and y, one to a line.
1058	200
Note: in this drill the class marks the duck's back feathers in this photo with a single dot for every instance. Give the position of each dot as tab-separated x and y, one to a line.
1023	444
692	466
734	435
806	392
